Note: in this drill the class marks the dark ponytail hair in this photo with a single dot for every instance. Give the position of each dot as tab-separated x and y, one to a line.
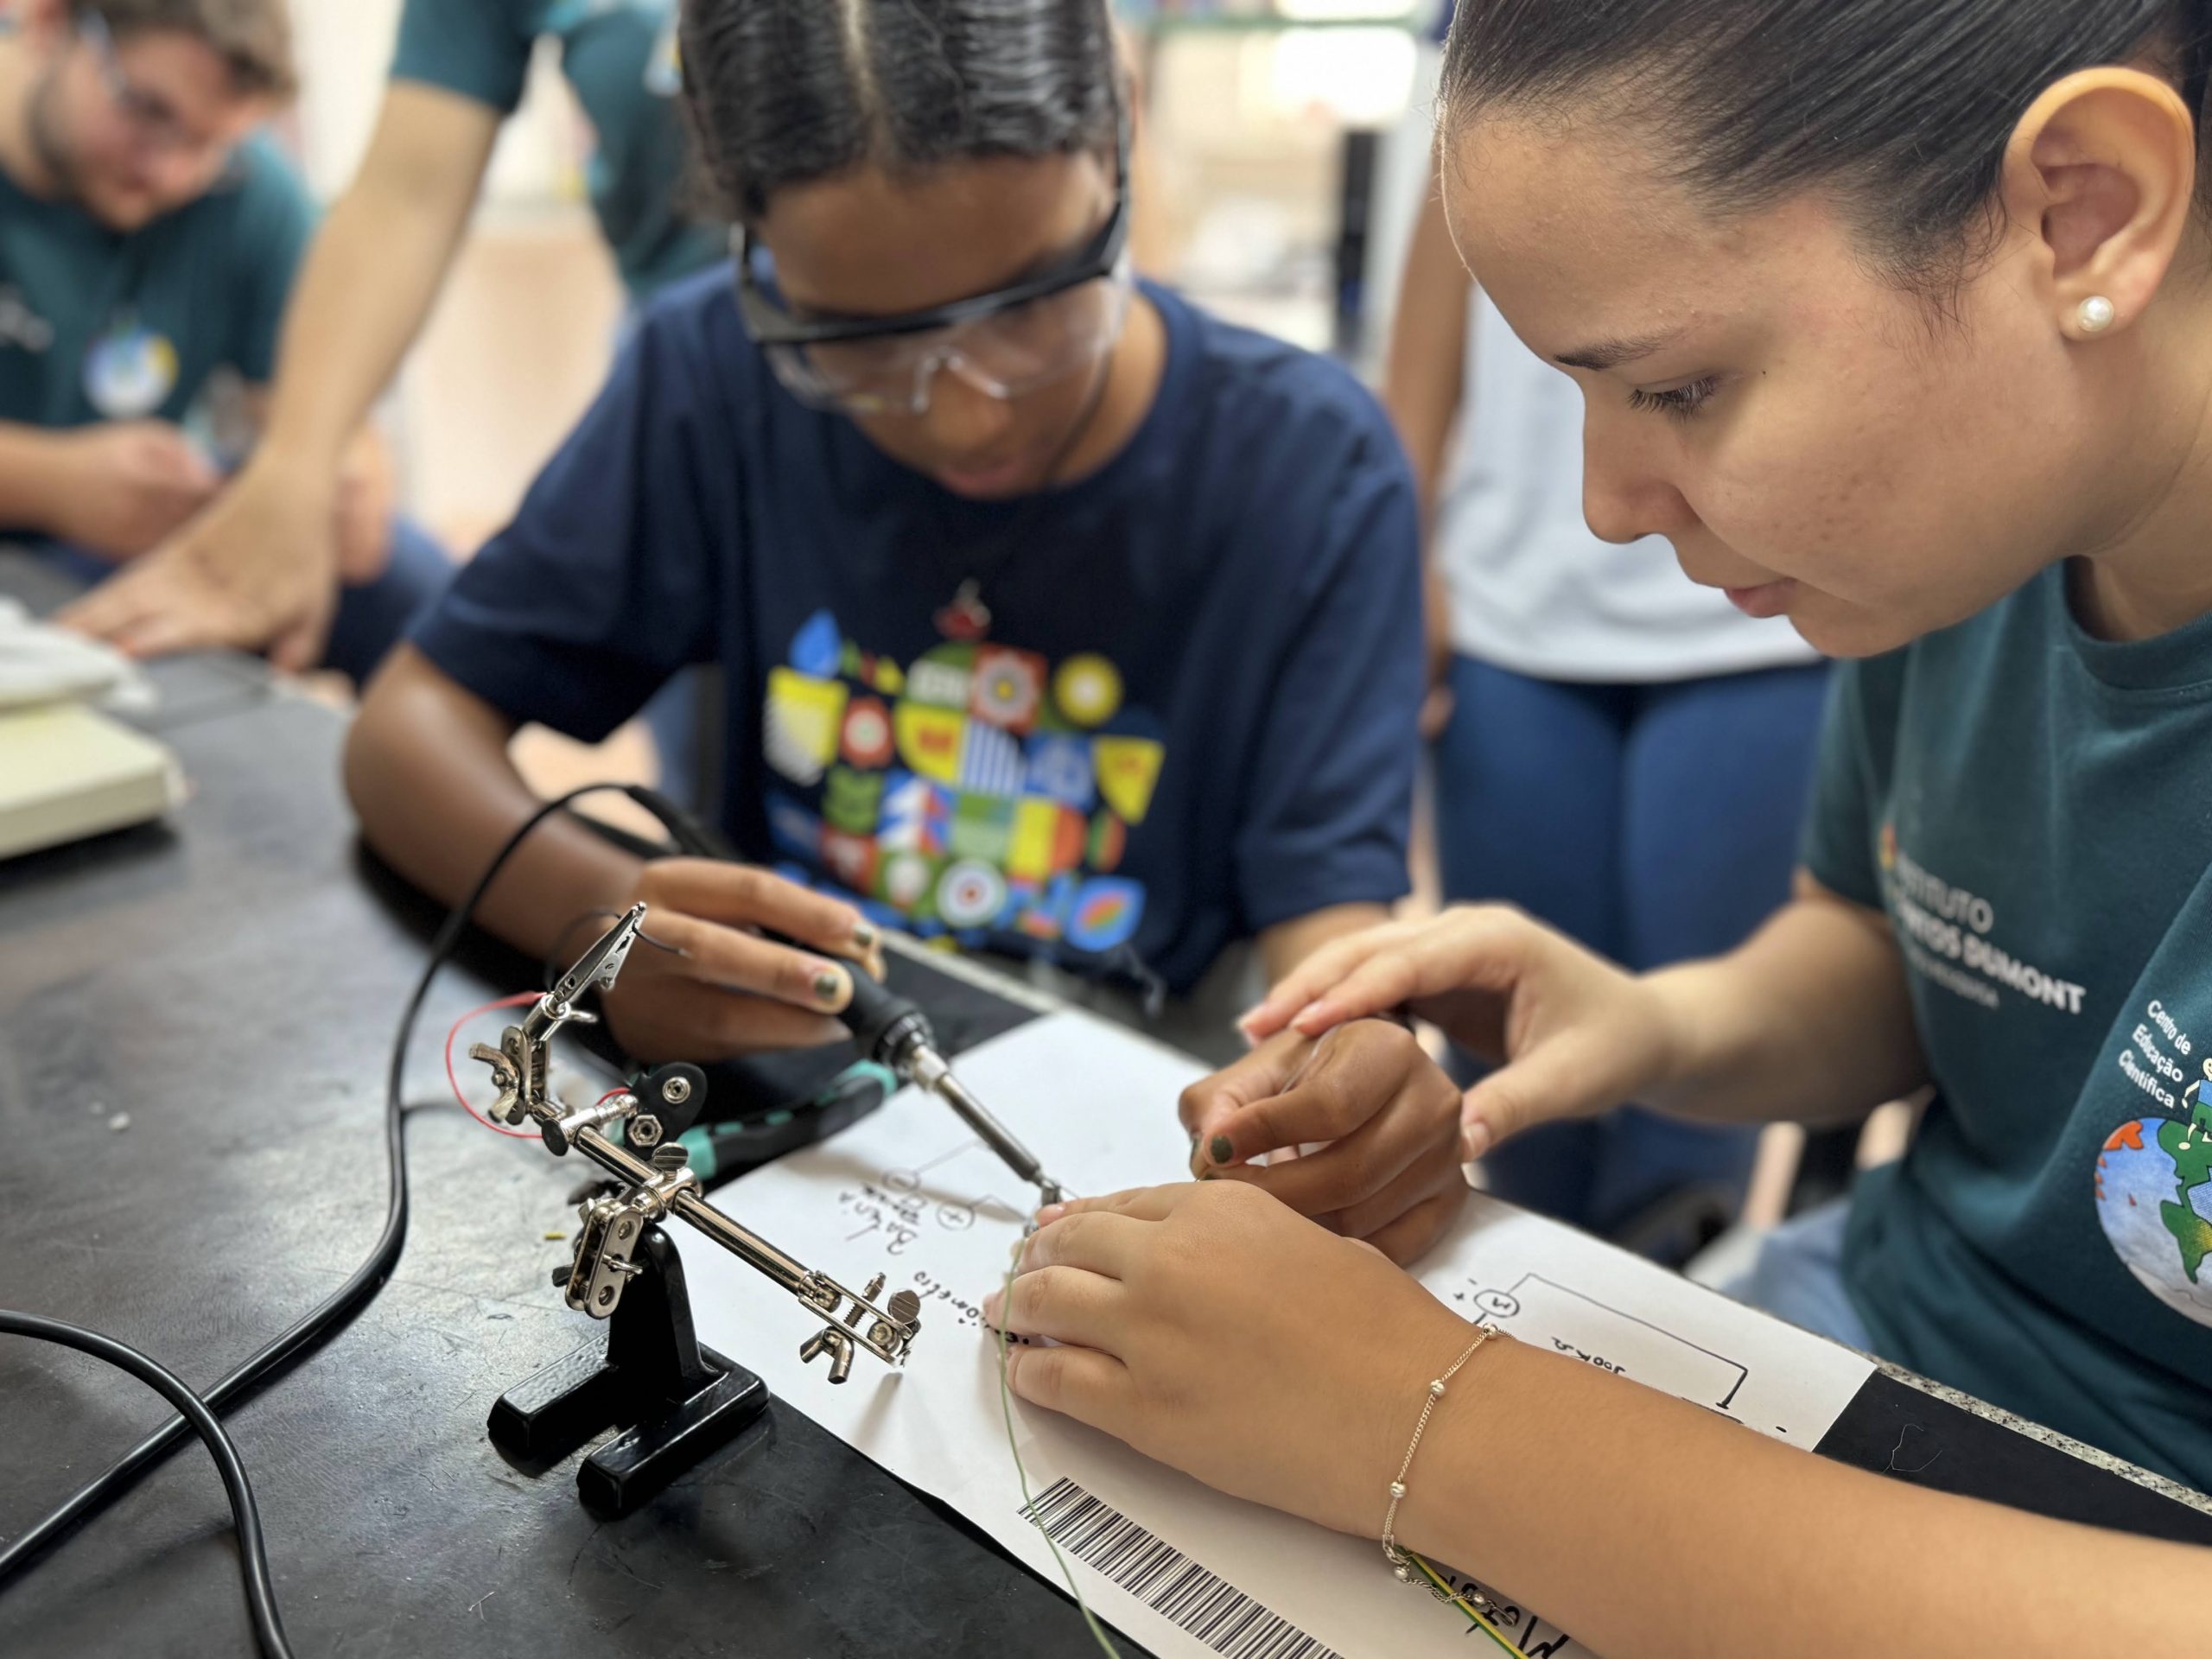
785	91
1904	107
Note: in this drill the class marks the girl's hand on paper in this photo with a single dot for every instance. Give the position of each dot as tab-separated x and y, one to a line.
1390	1169
1210	1327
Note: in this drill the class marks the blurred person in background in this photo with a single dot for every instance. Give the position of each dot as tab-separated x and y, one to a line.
149	234
260	569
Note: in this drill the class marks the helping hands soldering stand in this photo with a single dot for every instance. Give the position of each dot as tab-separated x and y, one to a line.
680	1401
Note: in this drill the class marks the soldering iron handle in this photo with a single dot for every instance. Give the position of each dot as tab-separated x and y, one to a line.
875	1013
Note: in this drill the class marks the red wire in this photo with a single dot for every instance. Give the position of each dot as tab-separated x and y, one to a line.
514	1001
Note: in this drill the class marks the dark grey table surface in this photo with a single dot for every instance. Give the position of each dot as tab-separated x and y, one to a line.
231	981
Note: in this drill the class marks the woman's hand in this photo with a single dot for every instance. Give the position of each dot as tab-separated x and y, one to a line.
1390	1173
122	486
704	985
256	571
367	500
1570	1034
1211	1328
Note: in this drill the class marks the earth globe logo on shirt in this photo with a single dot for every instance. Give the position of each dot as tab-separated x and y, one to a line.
130	372
2154	1201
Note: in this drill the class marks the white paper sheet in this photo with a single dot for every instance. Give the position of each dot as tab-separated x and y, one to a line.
911	1193
42	663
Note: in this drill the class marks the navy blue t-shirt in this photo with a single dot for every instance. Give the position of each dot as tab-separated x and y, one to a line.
1194	717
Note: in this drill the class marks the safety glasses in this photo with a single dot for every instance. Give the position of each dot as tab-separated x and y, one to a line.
1009	342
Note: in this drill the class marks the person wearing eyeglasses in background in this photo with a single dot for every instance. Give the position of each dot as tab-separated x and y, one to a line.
1057	617
149	236
257	571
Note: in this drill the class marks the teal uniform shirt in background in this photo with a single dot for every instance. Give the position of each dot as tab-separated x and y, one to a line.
99	325
620	55
2028	804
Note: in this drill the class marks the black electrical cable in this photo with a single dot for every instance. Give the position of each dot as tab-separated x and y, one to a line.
253	1555
275	1356
694	836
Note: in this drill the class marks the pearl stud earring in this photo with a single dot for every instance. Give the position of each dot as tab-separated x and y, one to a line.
2097	314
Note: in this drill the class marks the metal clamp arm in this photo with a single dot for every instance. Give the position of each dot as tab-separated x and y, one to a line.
612	1226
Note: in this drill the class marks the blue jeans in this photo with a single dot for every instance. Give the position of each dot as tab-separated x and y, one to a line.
1654	823
371	618
1798	1276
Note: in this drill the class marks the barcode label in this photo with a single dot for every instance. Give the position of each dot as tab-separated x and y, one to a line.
1165	1579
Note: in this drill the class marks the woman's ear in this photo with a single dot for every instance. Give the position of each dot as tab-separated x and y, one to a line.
2101	171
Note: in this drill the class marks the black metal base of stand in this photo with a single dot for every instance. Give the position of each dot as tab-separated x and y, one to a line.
678	1402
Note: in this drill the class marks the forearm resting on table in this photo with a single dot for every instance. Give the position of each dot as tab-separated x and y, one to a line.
1809	1022
27	479
1653	1529
376	269
427	767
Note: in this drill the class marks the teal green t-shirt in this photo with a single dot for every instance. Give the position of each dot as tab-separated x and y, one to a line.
620	55
2030	805
99	325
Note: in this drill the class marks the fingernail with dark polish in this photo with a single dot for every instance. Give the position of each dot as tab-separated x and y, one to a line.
1222	1150
864	935
830	988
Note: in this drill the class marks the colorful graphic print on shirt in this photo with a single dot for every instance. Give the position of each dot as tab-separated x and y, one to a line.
978	790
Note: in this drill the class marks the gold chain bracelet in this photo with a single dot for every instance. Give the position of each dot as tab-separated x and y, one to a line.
1401	1563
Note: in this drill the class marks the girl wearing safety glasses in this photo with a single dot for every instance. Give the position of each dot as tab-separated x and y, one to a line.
1056	617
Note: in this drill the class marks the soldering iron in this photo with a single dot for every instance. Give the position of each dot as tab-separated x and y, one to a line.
895	1033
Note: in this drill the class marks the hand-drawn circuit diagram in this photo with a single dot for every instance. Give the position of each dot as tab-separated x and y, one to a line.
949	1193
1542	1310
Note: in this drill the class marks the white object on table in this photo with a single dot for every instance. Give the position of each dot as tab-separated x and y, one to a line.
67	772
42	663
